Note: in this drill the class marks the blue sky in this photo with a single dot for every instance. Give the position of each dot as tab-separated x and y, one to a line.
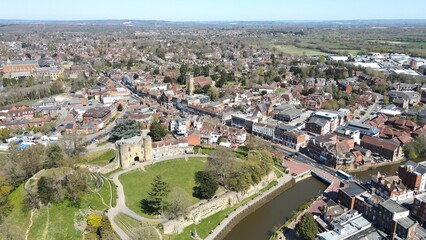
213	10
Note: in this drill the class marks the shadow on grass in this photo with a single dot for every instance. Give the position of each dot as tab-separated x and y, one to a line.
146	207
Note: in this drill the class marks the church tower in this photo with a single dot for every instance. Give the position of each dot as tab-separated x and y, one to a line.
189	84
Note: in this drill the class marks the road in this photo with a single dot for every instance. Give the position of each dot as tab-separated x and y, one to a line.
121	198
300	157
373	107
106	130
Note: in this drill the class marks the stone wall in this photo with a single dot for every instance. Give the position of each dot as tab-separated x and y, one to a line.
220	202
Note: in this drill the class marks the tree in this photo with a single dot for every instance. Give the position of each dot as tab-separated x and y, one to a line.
105	231
220	163
54	156
240	179
213	93
179	202
157	130
76	185
207	185
167	79
417	148
155	203
73	144
307	228
5	206
45	190
31	161
120	107
126	129
4	134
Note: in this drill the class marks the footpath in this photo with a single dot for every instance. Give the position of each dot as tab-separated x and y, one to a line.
121	198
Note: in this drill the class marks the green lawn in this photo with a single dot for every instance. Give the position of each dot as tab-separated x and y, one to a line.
293	50
101	158
280	90
177	173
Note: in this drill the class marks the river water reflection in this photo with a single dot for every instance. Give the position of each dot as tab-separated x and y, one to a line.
259	224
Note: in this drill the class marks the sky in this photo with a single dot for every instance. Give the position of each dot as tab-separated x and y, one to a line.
212	10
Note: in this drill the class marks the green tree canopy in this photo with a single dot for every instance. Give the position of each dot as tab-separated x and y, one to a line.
126	129
417	148
157	130
307	228
207	185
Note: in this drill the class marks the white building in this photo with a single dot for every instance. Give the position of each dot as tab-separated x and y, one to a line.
179	126
346	226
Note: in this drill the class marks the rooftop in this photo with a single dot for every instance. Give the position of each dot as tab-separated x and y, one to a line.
353	189
393	206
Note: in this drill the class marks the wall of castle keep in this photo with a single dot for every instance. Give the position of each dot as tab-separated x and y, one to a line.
208	208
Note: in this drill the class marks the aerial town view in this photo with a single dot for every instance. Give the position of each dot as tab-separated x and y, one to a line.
234	120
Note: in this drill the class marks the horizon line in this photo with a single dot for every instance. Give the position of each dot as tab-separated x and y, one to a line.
265	20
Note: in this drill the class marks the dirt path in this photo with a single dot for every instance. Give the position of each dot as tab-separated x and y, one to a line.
31	223
46	228
110	192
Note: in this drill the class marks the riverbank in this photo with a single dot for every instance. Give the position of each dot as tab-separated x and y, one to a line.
287	230
382	164
255	203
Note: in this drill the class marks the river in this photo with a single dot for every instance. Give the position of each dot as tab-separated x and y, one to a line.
260	223
388	170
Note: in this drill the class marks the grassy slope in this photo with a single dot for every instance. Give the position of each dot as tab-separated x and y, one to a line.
177	173
100	158
132	226
55	223
19	219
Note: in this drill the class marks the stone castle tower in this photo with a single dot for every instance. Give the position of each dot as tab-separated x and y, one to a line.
189	84
135	149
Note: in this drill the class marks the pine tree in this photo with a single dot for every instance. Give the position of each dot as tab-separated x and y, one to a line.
158	193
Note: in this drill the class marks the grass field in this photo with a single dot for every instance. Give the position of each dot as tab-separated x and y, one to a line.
100	158
177	173
293	50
